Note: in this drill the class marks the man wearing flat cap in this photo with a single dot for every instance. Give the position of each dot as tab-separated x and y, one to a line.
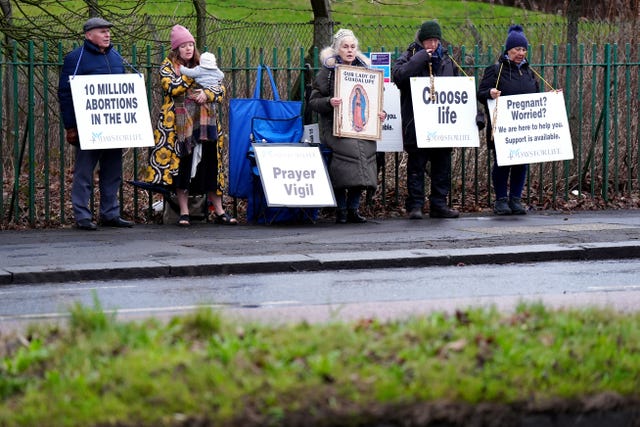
95	56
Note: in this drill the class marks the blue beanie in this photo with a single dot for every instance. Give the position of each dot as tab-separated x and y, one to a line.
516	38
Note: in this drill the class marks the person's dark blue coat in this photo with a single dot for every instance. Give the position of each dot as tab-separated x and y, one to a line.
95	57
86	59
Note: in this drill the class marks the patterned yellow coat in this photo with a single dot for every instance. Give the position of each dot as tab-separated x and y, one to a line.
164	159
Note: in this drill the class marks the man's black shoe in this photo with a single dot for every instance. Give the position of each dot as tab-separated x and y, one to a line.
117	222
415	213
444	212
354	216
86	224
341	216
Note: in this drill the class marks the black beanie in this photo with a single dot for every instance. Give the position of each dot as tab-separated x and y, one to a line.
429	30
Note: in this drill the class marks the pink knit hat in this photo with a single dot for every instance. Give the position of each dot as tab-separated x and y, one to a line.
180	35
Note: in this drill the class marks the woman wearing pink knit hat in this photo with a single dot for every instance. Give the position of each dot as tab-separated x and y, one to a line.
188	152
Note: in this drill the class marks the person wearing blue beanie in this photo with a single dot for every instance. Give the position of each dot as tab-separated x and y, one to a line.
516	38
511	75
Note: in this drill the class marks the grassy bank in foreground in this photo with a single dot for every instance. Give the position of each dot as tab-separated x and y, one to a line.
203	367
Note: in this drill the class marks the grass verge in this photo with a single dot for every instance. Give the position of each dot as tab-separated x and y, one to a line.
203	369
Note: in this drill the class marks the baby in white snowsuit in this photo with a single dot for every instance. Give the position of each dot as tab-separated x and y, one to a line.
207	74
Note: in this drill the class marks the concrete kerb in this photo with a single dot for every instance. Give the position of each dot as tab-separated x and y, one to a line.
415	258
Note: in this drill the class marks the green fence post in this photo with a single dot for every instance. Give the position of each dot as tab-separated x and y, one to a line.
396	154
540	165
638	131
30	129
615	113
463	151
45	104
134	172
2	69
489	160
567	99
247	72
580	115
61	147
605	133
16	136
476	151
150	75
628	100
594	128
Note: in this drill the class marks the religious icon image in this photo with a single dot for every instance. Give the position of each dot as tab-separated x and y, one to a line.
359	108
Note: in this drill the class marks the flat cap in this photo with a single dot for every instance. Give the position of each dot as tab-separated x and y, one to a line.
96	23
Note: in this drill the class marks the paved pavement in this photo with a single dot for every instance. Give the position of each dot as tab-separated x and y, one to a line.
68	254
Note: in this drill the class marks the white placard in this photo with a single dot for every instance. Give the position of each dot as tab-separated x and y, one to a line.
392	126
445	116
111	111
391	140
311	133
293	175
530	128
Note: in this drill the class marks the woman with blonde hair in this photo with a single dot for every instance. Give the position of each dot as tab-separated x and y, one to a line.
352	167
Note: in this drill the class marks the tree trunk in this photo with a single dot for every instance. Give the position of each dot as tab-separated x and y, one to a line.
322	33
94	9
201	19
5	6
322	23
7	79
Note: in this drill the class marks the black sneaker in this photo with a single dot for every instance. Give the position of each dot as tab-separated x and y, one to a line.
354	216
515	204
415	213
341	216
501	207
443	212
86	224
117	222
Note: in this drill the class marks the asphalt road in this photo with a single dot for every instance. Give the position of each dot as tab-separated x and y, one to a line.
342	294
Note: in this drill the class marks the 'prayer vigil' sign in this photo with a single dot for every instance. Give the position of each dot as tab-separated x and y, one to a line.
445	114
293	175
530	128
111	111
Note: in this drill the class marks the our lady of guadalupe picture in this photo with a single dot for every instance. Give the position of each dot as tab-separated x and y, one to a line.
361	91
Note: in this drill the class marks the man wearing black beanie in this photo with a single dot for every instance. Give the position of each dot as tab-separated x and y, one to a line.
424	57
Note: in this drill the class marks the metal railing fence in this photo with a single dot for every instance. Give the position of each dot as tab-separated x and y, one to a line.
600	84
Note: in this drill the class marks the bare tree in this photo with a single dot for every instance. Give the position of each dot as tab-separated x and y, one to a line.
5	6
322	33
59	25
201	19
92	5
322	23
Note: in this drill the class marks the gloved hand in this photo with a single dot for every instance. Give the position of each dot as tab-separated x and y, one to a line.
422	56
480	120
72	136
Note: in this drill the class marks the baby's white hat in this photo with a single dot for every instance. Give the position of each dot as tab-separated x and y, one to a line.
208	60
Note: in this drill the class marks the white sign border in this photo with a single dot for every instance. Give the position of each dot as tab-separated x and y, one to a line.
554	111
92	136
267	182
425	116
